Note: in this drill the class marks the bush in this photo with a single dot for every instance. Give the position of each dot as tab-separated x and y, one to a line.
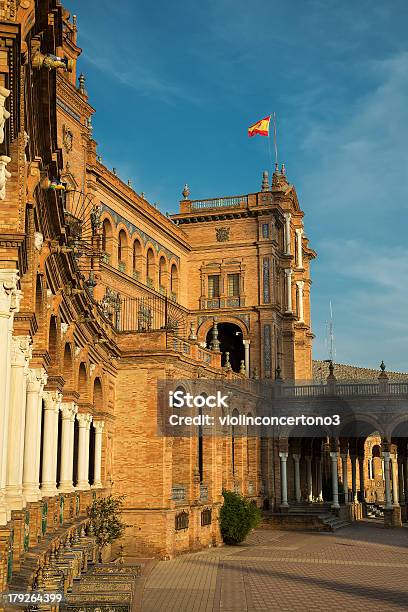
105	516
237	518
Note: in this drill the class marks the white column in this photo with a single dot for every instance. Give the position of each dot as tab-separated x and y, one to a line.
68	410
9	303
394	471
20	355
288	274
99	425
84	421
299	234
300	285
298	490
287	216
309	481
335	485
319	480
52	400
32	435
344	459
354	478
386	458
284	479
401	483
362	479
247	364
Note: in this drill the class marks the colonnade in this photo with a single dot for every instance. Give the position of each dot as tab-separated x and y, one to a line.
31	445
395	478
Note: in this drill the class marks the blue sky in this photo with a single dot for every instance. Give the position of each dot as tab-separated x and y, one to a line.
176	85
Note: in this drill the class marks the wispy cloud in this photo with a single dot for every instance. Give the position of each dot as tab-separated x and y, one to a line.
355	192
142	80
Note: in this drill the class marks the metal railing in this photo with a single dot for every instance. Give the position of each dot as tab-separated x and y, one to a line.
345	389
203	492
178	493
228	202
151	313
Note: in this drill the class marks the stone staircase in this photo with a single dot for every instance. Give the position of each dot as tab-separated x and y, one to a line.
315	517
106	586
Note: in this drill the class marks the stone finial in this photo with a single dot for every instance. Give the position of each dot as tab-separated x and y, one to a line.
115	172
74	21
142	195
215	343
255	374
193	335
242	369
81	86
278	373
227	364
130	184
186	192
279	180
382	366
265	181
90	127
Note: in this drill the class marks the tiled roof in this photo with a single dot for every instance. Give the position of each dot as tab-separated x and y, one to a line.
344	371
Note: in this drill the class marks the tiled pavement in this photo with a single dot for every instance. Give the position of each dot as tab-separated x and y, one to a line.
361	567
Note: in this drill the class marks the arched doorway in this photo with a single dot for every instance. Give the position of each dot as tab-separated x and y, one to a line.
231	341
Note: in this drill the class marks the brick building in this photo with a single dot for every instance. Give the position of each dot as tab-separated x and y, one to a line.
101	297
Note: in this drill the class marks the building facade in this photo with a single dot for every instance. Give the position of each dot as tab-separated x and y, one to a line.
101	297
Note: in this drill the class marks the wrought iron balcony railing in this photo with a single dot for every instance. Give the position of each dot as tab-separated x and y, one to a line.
178	493
203	492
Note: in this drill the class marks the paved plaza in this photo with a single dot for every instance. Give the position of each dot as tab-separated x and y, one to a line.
360	567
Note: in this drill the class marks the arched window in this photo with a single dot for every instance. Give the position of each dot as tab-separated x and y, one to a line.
107	237
122	248
67	363
53	342
83	381
38	300
136	259
98	395
162	275
174	282
150	268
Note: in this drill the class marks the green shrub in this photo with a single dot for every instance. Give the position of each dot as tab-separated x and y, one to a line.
105	514
237	518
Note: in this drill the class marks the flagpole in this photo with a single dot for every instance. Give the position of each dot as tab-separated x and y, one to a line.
275	141
269	150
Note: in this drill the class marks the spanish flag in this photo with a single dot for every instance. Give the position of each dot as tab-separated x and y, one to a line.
261	127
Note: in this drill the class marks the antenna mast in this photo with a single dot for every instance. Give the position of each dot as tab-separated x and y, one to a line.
332	352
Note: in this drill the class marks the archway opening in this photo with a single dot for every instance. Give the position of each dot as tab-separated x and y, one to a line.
107	237
68	364
98	395
150	268
162	275
122	250
231	341
174	282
